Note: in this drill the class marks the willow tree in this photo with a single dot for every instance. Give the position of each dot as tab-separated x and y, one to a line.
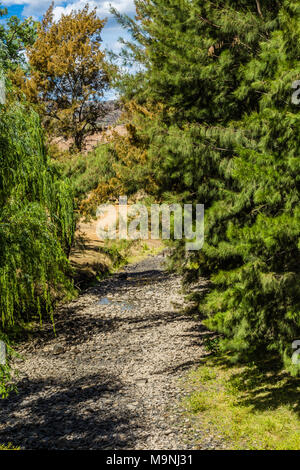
36	219
68	73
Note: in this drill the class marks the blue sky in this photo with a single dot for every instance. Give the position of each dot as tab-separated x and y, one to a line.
111	32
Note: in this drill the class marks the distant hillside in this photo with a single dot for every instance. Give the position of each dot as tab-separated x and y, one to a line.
111	113
112	110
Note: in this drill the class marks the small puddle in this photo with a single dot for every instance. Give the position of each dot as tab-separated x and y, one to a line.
125	306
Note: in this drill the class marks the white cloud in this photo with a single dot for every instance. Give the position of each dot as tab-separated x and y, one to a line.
103	8
111	32
33	8
36	8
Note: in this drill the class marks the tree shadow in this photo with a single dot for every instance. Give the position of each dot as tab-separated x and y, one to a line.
71	327
199	335
264	386
178	368
86	412
150	321
76	414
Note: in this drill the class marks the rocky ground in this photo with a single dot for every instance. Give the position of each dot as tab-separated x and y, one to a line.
110	378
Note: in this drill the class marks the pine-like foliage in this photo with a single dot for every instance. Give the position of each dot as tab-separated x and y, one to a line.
252	249
36	219
229	138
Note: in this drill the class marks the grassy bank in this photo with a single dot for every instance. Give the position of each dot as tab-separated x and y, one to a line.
247	407
9	447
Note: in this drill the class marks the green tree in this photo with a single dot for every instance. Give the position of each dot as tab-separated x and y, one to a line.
36	219
36	226
15	37
228	137
36	206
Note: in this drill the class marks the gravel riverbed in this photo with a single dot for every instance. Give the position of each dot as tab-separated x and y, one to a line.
110	379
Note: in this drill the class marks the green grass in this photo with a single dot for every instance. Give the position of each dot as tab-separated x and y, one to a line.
117	251
251	407
122	252
9	446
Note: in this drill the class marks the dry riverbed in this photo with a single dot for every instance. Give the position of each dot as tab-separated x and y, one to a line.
110	378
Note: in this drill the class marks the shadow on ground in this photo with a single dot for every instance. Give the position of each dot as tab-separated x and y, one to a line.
52	415
263	385
86	413
74	328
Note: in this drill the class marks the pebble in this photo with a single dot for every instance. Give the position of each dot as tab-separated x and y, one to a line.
109	378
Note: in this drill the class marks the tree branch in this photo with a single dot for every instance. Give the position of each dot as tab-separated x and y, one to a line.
258	8
208	21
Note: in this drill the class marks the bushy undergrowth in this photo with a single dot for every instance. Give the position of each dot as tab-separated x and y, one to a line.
7	374
9	446
110	170
87	171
